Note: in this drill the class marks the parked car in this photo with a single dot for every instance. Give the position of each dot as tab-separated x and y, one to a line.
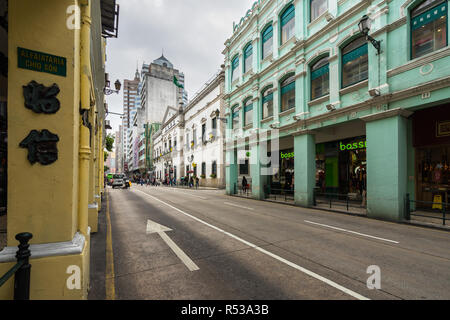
118	181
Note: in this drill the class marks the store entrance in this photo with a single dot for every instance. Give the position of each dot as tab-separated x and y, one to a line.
3	118
341	170
431	140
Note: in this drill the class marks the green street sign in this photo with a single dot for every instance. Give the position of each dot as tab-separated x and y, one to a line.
41	62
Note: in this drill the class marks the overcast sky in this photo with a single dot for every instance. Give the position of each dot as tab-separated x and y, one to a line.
191	32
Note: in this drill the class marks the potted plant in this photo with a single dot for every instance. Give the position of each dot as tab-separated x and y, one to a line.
202	176
213	175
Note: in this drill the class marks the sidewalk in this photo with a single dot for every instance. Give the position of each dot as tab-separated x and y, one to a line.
358	211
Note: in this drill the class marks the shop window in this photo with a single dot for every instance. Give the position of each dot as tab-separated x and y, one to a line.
204	133
194	137
214	168
248	112
287	24
267	103
428	27
355	67
288	93
235	69
267	42
320	78
248	58
235	116
204	168
317	7
243	167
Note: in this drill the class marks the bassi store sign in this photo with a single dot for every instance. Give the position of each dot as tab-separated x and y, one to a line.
41	62
287	155
255	5
353	146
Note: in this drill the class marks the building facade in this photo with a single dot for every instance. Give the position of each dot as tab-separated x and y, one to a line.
335	112
190	142
54	145
130	96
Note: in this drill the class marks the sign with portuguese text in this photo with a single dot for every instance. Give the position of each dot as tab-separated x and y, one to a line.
41	62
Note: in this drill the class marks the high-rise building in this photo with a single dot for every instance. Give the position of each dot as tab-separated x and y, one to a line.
130	95
160	86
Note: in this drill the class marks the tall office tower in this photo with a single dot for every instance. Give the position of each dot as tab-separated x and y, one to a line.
118	143
130	94
162	86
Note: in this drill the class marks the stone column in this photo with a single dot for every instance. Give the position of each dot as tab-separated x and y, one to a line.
304	167
387	163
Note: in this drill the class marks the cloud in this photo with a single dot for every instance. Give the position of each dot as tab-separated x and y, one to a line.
191	33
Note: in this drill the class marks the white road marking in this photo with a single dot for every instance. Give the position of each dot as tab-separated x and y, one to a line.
349	231
291	264
186	193
238	206
153	227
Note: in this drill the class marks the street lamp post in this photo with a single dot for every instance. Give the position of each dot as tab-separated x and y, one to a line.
107	91
364	27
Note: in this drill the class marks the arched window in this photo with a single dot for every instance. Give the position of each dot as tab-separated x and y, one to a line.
355	62
317	7
248	58
235	69
235	116
428	27
248	112
267	42
287	24
267	103
320	78
288	93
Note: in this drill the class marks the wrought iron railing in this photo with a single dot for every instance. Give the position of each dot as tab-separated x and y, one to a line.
417	208
21	270
279	194
347	201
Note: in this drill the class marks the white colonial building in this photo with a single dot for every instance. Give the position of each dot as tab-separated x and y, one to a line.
190	141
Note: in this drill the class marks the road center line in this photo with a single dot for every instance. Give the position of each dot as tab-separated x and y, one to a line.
349	231
291	264
187	193
236	205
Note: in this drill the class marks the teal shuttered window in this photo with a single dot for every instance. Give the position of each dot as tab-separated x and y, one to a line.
248	112
320	83
428	27
235	118
288	93
248	58
267	103
267	42
287	24
355	67
235	69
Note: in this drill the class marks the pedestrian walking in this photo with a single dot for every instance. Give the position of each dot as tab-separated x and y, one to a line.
196	182
244	184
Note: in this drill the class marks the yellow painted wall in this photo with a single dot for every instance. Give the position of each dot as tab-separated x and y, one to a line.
49	277
43	199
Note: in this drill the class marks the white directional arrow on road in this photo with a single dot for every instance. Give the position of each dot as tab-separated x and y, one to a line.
153	227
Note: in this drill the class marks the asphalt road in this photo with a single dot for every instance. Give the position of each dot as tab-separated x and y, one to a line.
222	247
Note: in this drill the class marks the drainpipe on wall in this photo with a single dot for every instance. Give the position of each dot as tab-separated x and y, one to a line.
85	149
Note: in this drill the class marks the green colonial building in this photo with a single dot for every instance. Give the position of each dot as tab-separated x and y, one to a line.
348	98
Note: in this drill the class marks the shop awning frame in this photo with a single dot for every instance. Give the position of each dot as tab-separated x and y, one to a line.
110	18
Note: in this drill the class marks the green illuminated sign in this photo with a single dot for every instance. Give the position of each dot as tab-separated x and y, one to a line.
287	155
353	146
41	62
